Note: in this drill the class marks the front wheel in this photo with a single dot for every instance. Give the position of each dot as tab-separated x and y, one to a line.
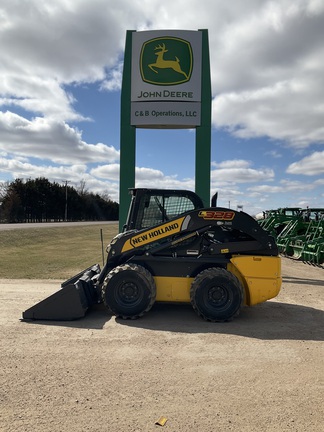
216	295
129	291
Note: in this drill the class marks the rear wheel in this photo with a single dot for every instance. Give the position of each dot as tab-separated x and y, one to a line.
129	291
216	295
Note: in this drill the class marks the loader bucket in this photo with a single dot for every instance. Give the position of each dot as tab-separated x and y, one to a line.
71	302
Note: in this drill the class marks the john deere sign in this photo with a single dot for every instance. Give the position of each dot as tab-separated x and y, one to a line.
166	79
166	84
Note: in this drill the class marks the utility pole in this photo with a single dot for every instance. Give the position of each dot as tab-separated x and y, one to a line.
66	183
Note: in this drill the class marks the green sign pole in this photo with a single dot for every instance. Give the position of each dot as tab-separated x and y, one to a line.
203	132
127	137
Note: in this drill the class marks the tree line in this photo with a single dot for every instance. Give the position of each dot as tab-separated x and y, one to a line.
39	200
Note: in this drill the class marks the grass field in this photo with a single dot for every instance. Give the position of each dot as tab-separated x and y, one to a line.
52	253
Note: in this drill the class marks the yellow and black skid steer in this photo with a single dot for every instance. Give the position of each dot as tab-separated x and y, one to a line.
172	249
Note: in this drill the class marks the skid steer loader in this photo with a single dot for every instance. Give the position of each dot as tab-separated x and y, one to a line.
172	249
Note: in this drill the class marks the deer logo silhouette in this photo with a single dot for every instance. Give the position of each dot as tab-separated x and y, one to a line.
166	61
161	63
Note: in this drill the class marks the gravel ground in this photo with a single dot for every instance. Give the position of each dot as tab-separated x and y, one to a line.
263	371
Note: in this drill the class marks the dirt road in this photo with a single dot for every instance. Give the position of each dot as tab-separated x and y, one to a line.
262	372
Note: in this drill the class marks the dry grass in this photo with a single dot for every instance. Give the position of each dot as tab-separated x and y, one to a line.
52	253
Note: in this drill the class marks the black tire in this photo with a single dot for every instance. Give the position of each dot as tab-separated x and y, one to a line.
216	295
129	291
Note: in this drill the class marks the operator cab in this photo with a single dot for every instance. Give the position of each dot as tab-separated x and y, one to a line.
150	207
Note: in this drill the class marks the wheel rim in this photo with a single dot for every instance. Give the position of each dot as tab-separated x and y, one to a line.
128	294
217	297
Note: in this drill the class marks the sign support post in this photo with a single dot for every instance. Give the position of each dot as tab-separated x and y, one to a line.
127	137
203	132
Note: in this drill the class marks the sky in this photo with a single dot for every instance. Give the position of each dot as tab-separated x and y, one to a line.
61	66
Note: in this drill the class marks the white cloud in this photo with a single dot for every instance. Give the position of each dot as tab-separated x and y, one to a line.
144	177
285	186
310	165
70	40
73	173
270	82
110	171
39	95
46	45
26	170
239	171
114	78
234	163
294	185
49	139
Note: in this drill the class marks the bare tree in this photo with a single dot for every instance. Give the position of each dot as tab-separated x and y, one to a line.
82	189
4	187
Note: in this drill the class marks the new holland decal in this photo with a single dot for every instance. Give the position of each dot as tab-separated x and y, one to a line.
157	233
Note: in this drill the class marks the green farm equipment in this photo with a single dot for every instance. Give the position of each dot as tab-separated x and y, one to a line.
299	233
294	229
305	246
313	251
275	221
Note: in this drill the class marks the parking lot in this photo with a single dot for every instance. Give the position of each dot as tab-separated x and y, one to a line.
261	372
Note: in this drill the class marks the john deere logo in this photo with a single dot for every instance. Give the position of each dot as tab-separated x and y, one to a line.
166	61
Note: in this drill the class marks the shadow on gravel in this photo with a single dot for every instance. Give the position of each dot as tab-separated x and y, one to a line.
267	321
302	281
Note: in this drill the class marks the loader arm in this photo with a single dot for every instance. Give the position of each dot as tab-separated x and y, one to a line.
210	231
